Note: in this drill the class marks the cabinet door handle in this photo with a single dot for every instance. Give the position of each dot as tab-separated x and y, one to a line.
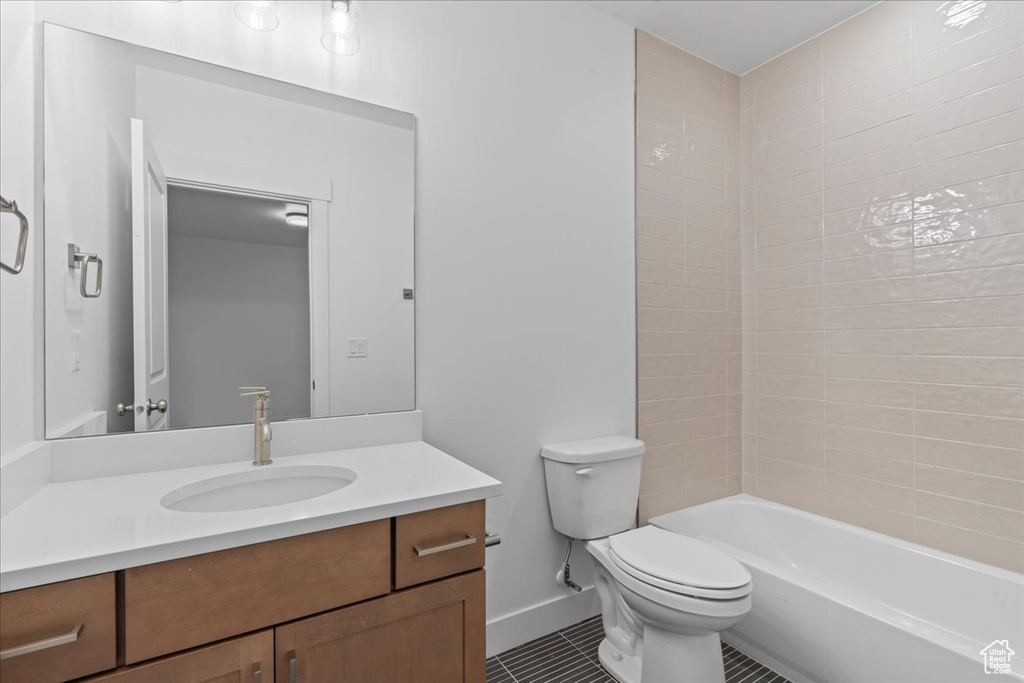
293	667
257	673
44	644
421	552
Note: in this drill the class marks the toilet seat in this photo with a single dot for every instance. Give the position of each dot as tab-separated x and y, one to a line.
679	564
675	600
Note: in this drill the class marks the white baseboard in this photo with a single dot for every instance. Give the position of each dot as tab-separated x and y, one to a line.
538	620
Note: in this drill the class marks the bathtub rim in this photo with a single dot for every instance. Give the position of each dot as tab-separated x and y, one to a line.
941	636
755	501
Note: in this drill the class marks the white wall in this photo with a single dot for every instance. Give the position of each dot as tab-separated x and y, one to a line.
525	247
89	99
238	316
21	296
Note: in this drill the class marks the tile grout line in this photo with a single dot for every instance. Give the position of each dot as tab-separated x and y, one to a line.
571	642
505	669
576	647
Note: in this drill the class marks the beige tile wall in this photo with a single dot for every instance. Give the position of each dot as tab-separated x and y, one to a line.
688	270
882	175
844	225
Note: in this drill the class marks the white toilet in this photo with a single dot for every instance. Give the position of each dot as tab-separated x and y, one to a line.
664	596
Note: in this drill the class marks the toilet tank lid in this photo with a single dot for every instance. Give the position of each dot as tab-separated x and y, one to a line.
594	450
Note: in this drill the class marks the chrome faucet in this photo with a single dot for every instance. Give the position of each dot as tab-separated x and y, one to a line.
260	423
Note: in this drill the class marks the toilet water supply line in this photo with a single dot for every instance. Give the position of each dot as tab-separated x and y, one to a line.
563	576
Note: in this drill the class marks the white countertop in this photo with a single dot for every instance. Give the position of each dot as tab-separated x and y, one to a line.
79	528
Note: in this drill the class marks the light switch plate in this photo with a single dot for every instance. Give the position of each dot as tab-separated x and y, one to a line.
357	347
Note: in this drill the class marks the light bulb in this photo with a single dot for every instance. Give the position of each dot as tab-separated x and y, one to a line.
341	28
297	220
258	14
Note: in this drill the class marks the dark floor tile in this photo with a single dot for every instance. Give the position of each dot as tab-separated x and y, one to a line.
551	646
570	656
497	673
747	674
586	636
581	670
582	628
549	659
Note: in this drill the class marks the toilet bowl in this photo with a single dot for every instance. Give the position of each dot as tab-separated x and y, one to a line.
664	596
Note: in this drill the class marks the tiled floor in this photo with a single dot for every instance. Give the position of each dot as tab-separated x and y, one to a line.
570	656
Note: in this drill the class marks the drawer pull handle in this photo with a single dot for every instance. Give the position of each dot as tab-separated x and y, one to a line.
293	667
257	673
45	644
467	541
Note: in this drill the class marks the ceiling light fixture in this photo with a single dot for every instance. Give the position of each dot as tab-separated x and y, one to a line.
260	15
296	219
341	28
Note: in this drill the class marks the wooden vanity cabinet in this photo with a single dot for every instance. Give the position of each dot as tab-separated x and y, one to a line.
249	659
396	600
430	634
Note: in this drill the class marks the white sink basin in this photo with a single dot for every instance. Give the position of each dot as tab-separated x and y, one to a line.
258	488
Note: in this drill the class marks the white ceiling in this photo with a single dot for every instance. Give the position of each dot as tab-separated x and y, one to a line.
737	35
237	218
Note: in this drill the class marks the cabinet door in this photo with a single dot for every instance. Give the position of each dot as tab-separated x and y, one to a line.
243	660
430	634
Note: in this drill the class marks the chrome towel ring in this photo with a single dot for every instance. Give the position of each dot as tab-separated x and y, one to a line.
19	255
76	258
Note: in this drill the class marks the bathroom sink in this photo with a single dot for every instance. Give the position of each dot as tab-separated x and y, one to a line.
258	488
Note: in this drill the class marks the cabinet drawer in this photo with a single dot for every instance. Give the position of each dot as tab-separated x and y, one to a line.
436	543
175	605
59	631
244	660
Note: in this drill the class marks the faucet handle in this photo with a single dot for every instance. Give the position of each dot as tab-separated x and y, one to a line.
261	392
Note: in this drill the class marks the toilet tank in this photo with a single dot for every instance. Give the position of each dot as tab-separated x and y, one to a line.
593	485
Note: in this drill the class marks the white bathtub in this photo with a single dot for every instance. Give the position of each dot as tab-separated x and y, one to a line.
835	603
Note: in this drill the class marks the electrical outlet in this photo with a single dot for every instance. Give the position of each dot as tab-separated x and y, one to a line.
357	347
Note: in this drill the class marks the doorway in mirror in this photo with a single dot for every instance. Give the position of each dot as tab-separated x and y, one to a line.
238	277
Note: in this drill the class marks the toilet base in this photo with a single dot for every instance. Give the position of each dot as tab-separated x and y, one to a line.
677	658
668	658
623	668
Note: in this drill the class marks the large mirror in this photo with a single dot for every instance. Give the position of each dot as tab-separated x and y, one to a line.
208	229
